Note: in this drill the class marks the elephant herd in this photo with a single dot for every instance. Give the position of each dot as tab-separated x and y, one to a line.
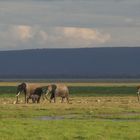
35	91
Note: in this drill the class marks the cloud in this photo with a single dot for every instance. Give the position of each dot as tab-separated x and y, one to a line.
25	36
21	32
43	35
79	37
128	20
21	37
86	34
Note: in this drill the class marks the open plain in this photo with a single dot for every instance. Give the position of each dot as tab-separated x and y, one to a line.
100	111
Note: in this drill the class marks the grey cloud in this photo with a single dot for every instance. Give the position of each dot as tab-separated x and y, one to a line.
68	13
45	15
59	37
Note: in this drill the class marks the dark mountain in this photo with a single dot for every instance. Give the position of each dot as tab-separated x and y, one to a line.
116	62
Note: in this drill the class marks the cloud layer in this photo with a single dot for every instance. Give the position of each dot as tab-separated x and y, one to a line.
68	23
58	37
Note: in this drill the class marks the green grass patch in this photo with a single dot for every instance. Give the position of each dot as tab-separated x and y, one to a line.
15	129
102	91
10	91
7	91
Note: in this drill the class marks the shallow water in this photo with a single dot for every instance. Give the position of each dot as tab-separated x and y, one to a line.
108	117
57	117
51	118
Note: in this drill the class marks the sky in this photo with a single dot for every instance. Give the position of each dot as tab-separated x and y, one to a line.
31	24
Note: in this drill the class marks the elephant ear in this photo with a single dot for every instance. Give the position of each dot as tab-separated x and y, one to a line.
53	87
138	87
23	85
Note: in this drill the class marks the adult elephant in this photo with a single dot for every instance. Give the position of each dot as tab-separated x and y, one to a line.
138	93
28	89
58	90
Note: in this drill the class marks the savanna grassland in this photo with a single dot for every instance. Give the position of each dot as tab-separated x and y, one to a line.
97	111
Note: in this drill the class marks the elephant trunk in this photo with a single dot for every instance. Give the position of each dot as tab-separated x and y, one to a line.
47	94
17	97
18	94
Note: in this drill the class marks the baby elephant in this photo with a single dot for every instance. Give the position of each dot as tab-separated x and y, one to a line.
36	95
35	98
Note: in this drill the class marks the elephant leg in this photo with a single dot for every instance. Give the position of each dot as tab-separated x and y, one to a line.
38	100
62	99
50	100
26	101
67	99
33	100
17	100
43	96
54	99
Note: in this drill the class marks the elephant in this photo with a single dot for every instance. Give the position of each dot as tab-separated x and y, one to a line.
58	90
35	98
138	93
36	95
28	89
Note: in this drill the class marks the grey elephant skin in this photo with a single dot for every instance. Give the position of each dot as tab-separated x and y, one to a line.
29	90
36	95
58	90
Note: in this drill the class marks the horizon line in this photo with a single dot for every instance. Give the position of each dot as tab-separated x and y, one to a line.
69	48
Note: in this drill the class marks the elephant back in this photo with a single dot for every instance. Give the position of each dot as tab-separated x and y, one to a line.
62	90
32	87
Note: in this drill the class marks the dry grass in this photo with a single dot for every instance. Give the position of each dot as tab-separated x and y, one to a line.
110	103
77	83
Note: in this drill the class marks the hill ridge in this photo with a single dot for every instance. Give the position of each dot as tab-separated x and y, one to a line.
105	62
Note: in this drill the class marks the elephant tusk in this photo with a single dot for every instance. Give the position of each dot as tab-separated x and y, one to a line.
47	98
18	94
47	94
